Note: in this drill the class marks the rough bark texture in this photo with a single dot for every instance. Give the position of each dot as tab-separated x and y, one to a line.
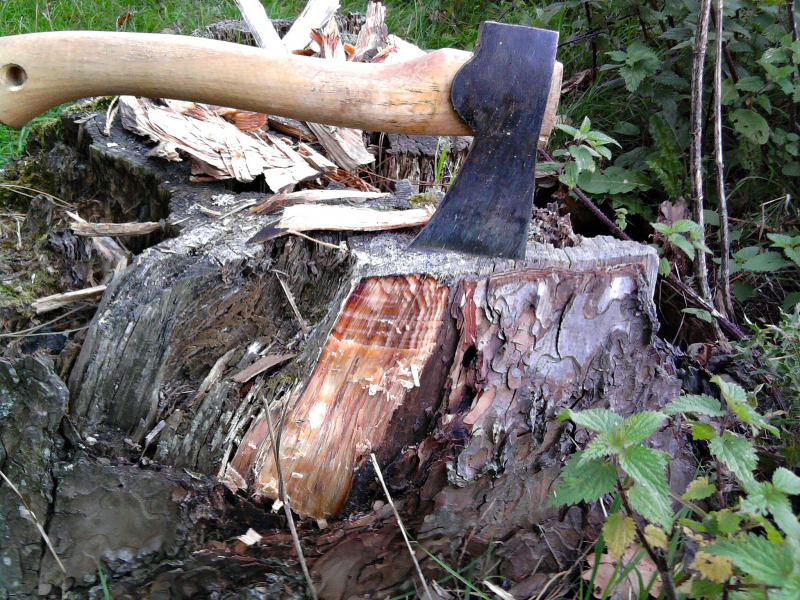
470	453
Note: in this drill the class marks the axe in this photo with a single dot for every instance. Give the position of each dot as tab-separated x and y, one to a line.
498	94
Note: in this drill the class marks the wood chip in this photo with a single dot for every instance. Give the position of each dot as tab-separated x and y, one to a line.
345	146
218	149
48	303
261	26
315	15
343	218
374	35
261	365
279	201
292	127
113	229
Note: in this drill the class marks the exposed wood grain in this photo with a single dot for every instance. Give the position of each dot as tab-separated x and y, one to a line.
310	197
362	376
315	15
373	35
344	145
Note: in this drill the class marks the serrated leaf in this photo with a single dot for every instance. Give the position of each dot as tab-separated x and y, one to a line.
594	419
567	129
712	567
586	126
757	556
649	495
586	482
637	428
702	404
699	489
735	452
618	533
732	392
751	125
703	431
655	536
786	481
766	262
727	521
604	444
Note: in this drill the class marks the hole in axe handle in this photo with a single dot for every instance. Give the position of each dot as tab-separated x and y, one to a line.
13	77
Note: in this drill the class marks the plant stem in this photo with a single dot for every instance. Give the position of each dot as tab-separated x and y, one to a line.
725	274
663	569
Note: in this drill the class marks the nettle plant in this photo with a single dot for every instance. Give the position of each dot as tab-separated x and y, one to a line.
748	549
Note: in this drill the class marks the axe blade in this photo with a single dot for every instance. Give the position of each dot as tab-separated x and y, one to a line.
501	92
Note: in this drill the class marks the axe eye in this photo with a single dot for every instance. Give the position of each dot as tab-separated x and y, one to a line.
13	77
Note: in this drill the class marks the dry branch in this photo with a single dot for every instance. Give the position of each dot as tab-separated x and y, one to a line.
113	229
48	303
262	364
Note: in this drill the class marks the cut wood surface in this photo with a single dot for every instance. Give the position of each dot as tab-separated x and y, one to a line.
315	15
312	196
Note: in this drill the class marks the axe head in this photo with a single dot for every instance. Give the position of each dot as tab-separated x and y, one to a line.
501	92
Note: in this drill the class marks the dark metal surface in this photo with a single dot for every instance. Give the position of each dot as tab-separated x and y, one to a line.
502	94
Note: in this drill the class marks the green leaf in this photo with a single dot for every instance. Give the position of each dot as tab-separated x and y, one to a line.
655	536
618	533
570	176
766	262
567	129
604	444
664	267
737	401
736	453
703	431
649	495
586	126
626	128
701	314
703	588
786	481
637	428
751	125
582	157
727	521
677	240
612	180
594	419
601	139
699	405
586	482
699	489
750	84
755	555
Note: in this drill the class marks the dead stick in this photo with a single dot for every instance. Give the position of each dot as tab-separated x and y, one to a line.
675	283
402	527
696	150
285	501
718	156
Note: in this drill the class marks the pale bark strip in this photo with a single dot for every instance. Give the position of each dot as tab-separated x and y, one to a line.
261	27
696	150
304	217
725	274
48	303
113	229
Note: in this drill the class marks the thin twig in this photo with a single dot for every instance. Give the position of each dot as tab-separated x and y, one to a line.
725	274
285	501
24	332
400	523
316	241
111	113
36	522
696	151
15	188
293	304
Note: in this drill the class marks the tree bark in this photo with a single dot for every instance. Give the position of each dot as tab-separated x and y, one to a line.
451	369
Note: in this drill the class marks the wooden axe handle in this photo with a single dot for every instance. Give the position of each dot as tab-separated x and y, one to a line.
39	71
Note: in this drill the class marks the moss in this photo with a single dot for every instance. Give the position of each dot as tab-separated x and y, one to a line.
424	199
97	104
47	130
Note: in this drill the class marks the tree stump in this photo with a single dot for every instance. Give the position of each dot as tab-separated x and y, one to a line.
450	369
